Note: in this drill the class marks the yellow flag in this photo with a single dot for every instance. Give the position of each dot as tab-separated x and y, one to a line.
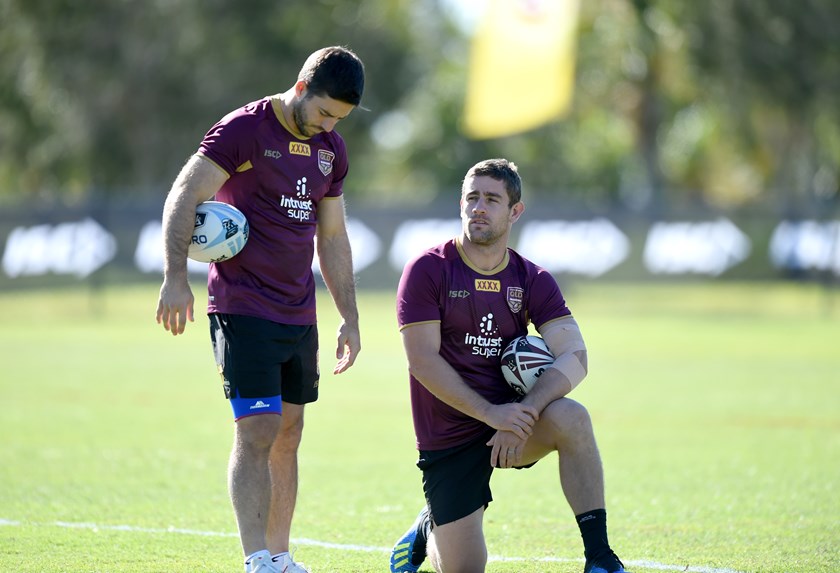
521	67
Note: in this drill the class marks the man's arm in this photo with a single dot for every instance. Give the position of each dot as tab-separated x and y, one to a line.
565	341
422	348
197	182
336	260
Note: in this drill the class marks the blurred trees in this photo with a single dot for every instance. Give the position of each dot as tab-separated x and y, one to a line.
726	102
112	96
775	68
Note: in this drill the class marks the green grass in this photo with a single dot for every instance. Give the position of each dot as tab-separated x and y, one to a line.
716	407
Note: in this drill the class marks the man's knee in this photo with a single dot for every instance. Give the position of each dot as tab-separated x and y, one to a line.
257	431
291	426
569	418
459	546
468	558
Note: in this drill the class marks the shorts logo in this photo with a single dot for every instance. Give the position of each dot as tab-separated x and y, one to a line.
514	298
259	404
296	148
485	285
325	161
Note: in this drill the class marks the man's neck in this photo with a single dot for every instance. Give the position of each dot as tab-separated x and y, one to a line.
284	103
484	257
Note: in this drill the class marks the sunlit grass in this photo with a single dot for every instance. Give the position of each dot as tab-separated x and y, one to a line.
716	410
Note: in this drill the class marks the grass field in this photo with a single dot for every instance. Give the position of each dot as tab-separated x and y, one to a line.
716	407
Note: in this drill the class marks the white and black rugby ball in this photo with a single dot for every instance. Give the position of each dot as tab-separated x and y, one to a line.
220	233
523	360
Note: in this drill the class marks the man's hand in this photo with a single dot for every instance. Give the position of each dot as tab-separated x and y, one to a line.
175	306
513	417
349	346
507	449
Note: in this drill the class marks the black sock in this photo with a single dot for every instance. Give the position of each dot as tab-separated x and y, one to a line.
593	530
418	553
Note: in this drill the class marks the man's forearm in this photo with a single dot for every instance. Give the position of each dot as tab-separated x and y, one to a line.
336	260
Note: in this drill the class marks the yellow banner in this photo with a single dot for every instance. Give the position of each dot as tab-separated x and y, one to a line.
521	67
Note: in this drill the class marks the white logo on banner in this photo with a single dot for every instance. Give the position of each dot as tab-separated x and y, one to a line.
806	245
414	237
78	248
585	247
707	248
364	243
148	257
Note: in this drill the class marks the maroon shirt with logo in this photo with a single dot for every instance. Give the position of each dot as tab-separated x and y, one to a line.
277	181
479	313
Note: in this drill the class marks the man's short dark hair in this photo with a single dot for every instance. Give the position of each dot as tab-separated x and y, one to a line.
500	170
335	72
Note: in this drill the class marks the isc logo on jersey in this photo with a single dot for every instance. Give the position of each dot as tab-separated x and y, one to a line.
486	343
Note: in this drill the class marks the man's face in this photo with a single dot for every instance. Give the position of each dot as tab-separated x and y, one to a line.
485	214
314	114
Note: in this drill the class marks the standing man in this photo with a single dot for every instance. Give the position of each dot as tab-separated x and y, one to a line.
458	305
278	161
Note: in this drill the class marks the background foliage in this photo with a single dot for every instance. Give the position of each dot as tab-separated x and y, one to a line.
724	103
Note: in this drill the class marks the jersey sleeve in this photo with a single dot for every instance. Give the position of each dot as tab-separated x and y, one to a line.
229	143
418	292
340	168
547	302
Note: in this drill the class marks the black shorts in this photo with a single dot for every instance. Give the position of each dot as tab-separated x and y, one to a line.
258	358
456	481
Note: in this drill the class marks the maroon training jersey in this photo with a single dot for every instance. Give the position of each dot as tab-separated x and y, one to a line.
277	181
479	313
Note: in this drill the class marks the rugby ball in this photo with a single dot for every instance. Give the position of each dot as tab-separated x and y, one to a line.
523	360
220	233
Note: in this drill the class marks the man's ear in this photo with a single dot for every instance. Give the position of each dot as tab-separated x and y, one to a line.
516	211
300	88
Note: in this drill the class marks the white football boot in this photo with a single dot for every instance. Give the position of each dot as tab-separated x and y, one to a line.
260	562
286	564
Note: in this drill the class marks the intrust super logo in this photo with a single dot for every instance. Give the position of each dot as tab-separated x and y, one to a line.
487	342
299	209
486	285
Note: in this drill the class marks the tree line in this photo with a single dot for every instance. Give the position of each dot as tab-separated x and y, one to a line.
727	104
